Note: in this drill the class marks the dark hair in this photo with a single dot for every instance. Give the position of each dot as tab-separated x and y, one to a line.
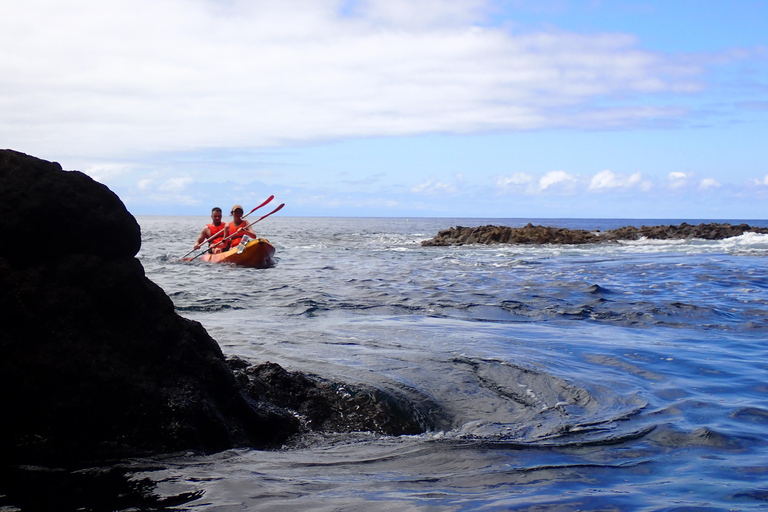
216	209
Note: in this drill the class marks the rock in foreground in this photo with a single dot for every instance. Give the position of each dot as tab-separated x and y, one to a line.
326	406
94	361
531	234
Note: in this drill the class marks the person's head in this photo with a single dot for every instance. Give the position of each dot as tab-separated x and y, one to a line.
216	215
237	212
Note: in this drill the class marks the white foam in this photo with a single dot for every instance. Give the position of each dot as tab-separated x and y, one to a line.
749	241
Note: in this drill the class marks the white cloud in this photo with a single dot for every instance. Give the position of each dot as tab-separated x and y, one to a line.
422	13
608	179
110	78
519	182
175	184
531	184
432	186
707	183
677	180
646	186
106	172
554	179
764	181
176	200
519	178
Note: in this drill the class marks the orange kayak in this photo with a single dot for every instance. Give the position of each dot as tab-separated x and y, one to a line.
256	253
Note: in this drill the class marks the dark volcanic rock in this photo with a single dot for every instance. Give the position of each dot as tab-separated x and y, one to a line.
711	231
94	361
72	212
531	234
327	406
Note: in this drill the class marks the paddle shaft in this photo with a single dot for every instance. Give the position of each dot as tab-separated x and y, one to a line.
204	242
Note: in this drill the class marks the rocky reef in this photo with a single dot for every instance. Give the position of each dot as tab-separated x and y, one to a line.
96	364
531	234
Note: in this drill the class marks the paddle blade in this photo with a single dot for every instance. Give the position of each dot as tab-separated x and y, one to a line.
267	215
262	204
270	213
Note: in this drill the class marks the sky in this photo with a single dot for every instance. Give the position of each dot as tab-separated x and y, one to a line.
398	108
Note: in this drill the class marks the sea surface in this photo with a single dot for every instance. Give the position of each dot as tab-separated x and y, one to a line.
620	376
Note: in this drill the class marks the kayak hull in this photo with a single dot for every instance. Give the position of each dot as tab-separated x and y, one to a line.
257	253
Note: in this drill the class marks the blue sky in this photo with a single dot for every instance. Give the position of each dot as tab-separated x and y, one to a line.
438	108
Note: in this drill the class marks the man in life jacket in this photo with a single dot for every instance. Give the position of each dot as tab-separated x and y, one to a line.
238	227
217	230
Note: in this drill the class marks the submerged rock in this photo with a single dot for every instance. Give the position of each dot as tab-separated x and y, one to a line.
94	361
531	234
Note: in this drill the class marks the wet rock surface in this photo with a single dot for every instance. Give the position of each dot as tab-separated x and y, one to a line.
327	406
95	363
531	234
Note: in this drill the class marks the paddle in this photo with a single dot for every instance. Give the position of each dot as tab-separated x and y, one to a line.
203	243
262	204
244	216
245	227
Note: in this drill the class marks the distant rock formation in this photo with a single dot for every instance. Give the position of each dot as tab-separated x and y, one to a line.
711	231
95	363
531	234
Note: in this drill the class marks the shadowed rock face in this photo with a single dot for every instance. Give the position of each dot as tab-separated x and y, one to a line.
94	361
531	234
74	213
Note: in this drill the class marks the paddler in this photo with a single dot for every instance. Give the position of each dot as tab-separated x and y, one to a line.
217	230
238	227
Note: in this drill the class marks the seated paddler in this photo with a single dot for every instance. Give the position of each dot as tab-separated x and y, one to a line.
238	227
215	233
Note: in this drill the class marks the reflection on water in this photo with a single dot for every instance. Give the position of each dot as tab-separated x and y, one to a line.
100	489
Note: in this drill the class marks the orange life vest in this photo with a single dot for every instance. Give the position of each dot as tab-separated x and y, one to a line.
218	233
232	229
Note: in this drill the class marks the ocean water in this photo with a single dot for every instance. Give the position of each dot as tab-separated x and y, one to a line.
618	376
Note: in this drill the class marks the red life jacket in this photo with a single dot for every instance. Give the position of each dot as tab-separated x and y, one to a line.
232	229
218	233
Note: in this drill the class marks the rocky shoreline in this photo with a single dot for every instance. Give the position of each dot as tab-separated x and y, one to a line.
96	364
531	234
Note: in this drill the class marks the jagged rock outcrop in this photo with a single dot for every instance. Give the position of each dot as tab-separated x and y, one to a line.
711	231
531	234
94	361
316	402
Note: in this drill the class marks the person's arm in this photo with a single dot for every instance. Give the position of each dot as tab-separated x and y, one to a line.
204	234
246	230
